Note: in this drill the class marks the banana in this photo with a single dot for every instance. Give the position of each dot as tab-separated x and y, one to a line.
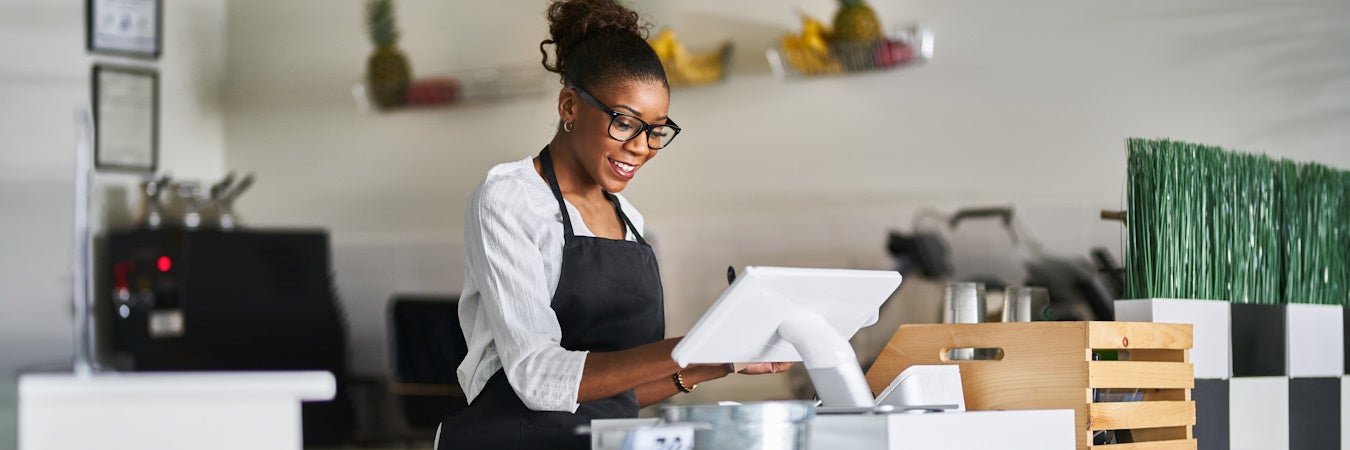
705	68
809	51
683	67
812	26
664	44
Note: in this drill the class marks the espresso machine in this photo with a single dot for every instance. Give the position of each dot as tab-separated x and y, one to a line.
207	298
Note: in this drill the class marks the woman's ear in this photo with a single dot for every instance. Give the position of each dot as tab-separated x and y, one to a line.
567	105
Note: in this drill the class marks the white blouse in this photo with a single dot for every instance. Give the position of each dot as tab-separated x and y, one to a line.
513	241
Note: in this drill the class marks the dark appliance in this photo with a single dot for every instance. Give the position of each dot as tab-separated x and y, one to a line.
211	300
427	346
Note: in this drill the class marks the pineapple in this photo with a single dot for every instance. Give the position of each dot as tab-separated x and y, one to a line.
856	22
387	71
856	33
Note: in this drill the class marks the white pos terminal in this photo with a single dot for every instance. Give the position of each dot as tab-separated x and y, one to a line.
780	314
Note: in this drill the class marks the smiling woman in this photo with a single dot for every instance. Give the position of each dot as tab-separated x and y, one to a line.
562	309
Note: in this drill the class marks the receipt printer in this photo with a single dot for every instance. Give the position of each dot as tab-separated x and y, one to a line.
925	389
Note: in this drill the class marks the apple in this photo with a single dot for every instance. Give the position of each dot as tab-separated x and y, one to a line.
891	53
433	91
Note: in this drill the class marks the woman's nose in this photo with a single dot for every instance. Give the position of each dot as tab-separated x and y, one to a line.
638	144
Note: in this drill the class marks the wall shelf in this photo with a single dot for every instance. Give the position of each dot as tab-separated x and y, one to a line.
478	86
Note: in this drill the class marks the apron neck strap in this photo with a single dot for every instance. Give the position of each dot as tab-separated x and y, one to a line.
546	160
624	217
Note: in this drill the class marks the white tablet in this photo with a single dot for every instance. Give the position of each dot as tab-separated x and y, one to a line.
742	326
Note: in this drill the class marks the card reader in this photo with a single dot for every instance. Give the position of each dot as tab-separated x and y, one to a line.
925	388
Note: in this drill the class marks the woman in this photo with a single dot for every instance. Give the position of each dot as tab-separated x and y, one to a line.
562	306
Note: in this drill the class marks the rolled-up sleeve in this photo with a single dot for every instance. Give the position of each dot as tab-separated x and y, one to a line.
504	261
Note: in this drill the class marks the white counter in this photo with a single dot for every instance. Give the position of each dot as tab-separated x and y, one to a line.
1004	430
974	430
167	410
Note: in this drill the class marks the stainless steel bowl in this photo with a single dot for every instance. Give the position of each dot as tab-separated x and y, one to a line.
761	425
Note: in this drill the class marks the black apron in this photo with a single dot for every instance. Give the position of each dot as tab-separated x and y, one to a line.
608	299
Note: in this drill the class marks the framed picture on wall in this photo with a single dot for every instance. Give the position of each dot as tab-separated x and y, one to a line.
125	27
126	119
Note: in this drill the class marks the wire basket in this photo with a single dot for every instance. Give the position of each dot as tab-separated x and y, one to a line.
467	86
901	47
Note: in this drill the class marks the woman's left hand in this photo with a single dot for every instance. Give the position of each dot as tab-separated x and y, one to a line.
763	368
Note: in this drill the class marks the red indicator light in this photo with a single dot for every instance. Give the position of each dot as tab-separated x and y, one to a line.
165	264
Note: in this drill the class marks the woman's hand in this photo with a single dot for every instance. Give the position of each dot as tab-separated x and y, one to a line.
769	367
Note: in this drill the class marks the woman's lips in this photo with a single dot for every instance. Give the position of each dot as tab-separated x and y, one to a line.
625	171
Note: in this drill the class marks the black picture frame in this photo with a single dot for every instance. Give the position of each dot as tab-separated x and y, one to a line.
99	39
115	109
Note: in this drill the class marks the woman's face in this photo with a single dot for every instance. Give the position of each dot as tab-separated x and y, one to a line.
609	162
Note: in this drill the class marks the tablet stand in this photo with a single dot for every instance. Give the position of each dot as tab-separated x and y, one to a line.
829	359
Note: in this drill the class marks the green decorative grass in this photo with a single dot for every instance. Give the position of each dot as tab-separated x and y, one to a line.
1315	233
1207	223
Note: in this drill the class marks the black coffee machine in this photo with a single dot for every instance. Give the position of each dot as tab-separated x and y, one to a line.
212	300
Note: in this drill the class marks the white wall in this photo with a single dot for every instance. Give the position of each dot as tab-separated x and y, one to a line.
44	79
1026	103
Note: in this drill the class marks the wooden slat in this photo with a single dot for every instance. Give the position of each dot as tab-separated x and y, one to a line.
1157	355
1154	395
1132	335
1135	374
1130	415
1181	444
1161	434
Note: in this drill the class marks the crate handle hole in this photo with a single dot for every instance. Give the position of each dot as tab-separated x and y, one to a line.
973	354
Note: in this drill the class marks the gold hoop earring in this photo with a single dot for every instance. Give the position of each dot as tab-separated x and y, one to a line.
567	127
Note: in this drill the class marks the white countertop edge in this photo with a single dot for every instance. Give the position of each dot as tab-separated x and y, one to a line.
304	385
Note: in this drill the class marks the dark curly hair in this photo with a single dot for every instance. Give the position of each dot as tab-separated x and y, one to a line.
598	43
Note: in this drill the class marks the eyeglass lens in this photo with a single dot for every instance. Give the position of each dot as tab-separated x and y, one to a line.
624	127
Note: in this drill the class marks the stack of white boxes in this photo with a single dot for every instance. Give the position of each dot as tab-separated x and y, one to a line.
1267	377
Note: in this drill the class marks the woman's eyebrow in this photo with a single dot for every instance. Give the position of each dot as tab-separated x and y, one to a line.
630	109
638	113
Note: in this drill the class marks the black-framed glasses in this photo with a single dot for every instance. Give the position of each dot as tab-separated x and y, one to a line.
623	127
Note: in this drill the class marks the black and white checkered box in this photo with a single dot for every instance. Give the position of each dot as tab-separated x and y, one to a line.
1267	377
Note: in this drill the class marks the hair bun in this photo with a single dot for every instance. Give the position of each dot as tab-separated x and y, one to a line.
571	22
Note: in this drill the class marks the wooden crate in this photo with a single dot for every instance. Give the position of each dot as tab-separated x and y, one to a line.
1049	365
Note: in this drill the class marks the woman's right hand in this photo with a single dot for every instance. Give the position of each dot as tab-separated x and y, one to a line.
766	367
